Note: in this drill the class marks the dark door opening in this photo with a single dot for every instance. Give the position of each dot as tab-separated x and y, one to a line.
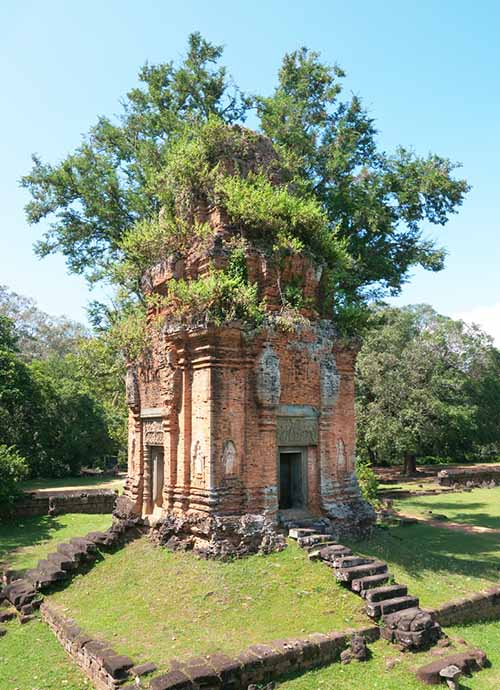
158	474
291	481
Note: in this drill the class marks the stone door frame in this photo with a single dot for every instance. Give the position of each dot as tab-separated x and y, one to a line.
302	450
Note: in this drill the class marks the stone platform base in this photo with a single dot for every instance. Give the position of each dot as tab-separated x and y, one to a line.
221	537
353	520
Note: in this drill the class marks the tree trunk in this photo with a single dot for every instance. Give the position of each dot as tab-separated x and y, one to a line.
410	465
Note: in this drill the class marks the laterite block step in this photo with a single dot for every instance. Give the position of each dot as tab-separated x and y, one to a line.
382	608
350	574
363	584
387	592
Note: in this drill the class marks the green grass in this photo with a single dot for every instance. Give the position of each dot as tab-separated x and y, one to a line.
486	636
414	486
437	564
389	669
73	483
478	507
155	605
373	674
25	541
31	658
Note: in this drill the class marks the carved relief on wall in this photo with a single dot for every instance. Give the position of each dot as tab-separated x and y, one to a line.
132	387
341	455
170	379
197	459
329	380
229	459
296	431
153	431
268	383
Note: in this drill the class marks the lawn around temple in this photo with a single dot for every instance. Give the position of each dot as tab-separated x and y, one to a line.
480	507
174	605
156	605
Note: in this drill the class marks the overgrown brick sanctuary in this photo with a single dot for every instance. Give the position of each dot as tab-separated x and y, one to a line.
236	427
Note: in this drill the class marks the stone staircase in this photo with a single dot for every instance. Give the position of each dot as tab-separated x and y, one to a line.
401	619
23	591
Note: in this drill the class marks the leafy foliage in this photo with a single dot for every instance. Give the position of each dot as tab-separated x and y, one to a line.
101	190
358	208
367	480
375	201
426	385
38	334
48	413
13	469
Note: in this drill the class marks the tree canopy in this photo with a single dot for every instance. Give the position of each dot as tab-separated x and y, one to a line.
39	335
57	413
427	385
373	203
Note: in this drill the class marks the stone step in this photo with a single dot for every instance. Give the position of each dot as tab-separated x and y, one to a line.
87	544
20	592
417	639
388	592
350	561
328	553
313	539
377	609
350	574
400	619
62	561
363	584
98	538
77	553
38	578
298	532
320	545
52	570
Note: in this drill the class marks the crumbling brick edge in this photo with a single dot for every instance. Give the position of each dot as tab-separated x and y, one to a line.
90	501
100	663
259	663
480	606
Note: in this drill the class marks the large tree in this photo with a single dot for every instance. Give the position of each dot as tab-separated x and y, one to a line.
427	385
40	335
373	202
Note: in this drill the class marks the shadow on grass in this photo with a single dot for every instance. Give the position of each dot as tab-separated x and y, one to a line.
464	513
422	548
22	532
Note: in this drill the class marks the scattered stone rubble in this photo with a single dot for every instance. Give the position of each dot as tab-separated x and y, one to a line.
466	662
221	537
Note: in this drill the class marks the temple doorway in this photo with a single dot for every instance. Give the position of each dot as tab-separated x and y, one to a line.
158	467
292	493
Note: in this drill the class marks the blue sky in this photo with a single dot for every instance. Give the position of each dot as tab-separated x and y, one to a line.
428	71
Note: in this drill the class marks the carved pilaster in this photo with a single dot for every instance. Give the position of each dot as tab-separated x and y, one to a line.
147	494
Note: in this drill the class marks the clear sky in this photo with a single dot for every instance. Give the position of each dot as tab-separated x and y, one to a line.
428	71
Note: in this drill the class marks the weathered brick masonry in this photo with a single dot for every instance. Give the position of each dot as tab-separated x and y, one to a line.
60	502
231	428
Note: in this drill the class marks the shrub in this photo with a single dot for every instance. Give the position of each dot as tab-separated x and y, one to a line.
13	469
368	482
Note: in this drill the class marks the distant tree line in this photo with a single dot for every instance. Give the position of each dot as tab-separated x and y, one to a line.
428	389
61	394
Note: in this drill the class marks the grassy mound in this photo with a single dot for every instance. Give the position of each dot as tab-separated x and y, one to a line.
155	605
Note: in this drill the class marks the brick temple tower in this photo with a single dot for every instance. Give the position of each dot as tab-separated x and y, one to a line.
233	428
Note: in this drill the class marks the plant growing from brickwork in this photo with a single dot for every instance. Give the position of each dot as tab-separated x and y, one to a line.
330	190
